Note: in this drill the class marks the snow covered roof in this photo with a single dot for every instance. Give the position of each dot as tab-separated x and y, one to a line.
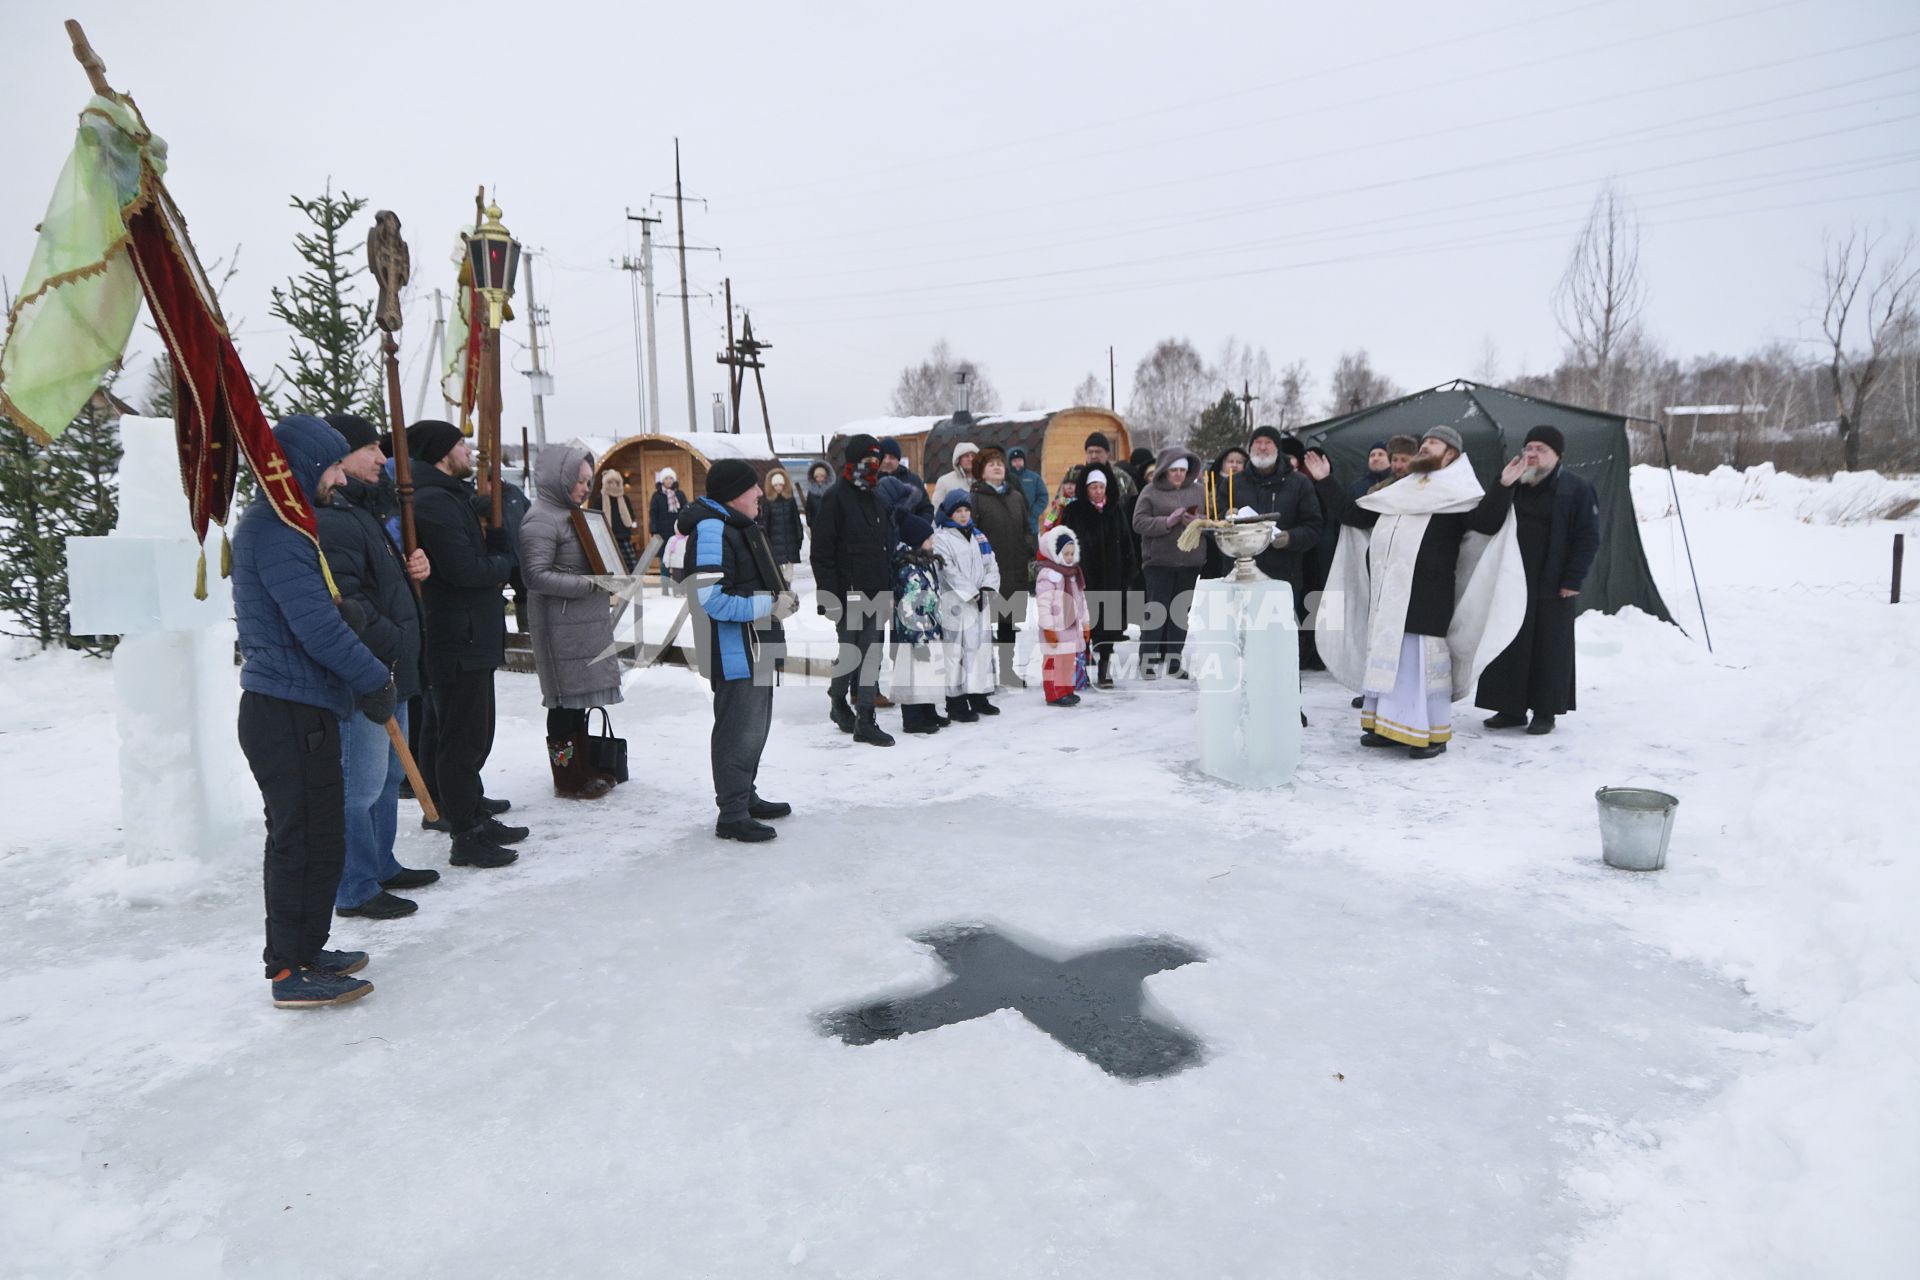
923	423
877	427
1708	410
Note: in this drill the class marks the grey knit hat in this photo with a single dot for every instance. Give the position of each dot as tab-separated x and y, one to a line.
1447	436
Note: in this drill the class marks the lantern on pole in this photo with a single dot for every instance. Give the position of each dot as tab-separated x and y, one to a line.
494	256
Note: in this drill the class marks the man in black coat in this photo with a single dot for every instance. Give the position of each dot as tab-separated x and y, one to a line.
376	595
1557	519
466	637
1272	487
853	584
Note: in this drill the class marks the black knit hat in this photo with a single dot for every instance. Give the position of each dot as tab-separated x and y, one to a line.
889	447
1265	433
1291	446
1098	440
860	446
728	478
1552	437
432	440
359	432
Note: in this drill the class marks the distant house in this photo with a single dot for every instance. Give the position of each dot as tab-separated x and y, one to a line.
1704	436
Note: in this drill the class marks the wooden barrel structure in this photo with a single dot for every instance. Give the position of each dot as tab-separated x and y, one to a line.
1055	442
639	458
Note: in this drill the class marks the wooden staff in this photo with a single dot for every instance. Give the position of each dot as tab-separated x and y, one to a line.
391	266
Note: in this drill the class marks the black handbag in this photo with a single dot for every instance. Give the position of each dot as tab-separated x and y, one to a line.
606	753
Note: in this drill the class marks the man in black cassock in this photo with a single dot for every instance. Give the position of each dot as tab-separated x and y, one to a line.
1557	518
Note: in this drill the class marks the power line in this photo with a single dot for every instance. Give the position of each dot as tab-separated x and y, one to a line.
1360	188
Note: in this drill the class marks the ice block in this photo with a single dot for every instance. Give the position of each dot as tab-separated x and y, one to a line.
1244	651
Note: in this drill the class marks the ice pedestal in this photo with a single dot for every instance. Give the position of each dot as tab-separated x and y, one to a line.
1244	653
184	788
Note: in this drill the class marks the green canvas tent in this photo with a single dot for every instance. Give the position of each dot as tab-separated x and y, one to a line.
1494	424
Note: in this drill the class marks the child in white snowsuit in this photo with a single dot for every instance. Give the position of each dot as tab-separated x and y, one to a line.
919	666
969	575
1060	602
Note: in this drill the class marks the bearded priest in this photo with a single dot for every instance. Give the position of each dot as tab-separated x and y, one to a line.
1426	588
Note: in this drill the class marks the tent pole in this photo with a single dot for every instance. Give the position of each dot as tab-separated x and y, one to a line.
1684	540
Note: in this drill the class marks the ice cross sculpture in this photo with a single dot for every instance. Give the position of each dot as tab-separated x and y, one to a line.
1092	1003
184	789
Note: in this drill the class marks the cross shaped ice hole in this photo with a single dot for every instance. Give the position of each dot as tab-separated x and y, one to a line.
1093	1003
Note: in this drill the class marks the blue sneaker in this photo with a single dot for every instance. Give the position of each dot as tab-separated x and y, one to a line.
309	988
338	964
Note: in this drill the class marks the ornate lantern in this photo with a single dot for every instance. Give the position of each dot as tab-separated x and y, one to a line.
494	256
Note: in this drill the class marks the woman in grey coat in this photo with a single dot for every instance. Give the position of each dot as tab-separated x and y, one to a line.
1169	503
570	619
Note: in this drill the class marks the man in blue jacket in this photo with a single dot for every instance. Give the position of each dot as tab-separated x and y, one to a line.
742	600
302	670
1032	486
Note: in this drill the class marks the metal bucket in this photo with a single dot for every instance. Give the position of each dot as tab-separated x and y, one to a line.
1635	824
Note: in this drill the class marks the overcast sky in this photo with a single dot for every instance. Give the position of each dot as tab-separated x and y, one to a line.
1032	182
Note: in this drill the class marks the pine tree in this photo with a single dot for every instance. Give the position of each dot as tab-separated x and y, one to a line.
49	494
333	362
1222	425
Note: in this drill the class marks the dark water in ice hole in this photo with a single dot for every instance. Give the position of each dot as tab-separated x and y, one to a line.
1092	1003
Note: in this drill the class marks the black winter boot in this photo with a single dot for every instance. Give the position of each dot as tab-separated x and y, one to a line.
842	714
868	730
916	717
962	709
472	849
980	705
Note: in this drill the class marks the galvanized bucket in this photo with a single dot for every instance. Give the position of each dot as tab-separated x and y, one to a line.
1635	824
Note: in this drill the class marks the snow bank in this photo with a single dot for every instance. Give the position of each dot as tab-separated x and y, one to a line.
1807	1164
1844	498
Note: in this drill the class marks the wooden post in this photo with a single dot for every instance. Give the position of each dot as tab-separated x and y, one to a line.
390	265
1899	556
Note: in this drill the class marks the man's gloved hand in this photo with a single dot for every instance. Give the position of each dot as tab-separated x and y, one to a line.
785	605
500	541
378	705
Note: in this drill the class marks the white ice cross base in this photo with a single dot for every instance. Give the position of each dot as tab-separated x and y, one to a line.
1244	653
175	689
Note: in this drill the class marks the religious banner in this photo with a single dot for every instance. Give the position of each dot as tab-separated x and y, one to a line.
112	234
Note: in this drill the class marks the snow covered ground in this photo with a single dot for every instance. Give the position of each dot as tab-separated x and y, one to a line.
1442	1039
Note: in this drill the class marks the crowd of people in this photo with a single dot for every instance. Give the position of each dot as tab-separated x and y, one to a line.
360	651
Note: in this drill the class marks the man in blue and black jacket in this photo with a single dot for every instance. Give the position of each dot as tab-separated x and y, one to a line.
302	670
742	599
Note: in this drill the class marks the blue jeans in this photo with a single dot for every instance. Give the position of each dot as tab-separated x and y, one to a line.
373	774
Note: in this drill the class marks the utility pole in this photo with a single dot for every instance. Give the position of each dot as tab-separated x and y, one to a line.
653	320
1246	399
537	376
1113	392
686	315
435	345
741	355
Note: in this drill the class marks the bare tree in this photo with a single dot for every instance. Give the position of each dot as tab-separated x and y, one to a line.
1092	392
930	388
1856	262
1487	371
1601	294
1356	386
1171	385
1290	409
